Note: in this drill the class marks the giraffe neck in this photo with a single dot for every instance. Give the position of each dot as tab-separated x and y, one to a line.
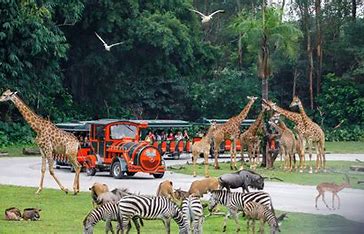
295	117
277	128
242	115
30	117
303	113
209	132
257	124
282	125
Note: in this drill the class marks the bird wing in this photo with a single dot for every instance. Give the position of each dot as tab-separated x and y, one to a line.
100	38
122	42
202	15
218	11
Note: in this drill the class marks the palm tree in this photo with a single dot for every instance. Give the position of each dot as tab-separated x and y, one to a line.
265	33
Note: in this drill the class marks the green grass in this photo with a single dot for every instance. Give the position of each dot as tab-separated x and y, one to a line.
336	170
63	213
16	150
345	147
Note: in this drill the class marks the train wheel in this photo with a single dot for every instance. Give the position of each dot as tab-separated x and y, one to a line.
90	171
158	176
130	173
116	171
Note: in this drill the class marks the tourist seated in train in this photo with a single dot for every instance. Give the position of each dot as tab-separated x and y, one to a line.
158	136
185	135
170	136
163	136
178	136
150	137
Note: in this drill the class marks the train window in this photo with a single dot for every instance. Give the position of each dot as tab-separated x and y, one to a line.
121	131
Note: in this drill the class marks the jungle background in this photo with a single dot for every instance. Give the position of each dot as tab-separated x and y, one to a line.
173	67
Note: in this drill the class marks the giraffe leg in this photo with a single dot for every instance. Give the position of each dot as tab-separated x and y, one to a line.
194	158
43	169
318	158
76	182
234	154
310	155
206	162
216	154
51	172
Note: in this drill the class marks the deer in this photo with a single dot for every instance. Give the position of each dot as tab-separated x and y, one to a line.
331	187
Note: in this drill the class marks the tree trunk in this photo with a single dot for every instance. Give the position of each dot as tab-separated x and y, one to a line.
295	76
353	9
318	46
308	53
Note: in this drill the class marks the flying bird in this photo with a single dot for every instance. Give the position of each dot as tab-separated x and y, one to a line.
108	47
207	18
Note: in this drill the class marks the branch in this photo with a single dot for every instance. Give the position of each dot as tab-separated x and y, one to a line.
339	125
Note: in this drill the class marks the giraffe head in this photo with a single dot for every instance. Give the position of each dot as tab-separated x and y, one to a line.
295	102
7	95
269	105
252	98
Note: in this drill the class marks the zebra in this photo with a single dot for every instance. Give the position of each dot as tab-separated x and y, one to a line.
255	211
107	212
235	201
150	207
193	212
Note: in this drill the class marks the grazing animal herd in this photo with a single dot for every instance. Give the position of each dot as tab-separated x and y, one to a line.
184	207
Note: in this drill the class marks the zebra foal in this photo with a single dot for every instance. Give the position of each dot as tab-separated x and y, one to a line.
150	207
255	211
107	212
193	213
235	201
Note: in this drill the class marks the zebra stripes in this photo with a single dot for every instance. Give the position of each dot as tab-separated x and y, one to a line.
107	212
255	211
193	213
235	201
151	207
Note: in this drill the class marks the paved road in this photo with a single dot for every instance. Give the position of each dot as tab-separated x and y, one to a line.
25	171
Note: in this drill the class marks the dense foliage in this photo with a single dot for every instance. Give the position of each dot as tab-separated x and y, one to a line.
172	66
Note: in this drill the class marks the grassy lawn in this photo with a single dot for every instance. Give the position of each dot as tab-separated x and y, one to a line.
345	147
63	213
15	150
334	174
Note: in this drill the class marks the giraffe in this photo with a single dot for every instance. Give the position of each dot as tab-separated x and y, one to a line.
230	130
314	135
287	141
300	127
51	141
249	138
203	147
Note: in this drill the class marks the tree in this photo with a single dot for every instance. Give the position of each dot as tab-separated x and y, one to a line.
265	34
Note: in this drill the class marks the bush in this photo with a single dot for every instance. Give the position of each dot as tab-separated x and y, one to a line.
15	133
354	133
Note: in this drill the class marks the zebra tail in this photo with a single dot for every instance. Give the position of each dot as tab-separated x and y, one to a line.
141	222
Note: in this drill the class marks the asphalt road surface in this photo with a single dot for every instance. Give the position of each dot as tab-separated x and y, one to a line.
25	171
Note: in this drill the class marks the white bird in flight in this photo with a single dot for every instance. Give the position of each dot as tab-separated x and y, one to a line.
108	47
207	18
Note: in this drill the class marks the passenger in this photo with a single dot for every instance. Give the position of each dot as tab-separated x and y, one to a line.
158	136
179	136
170	137
150	137
163	136
185	135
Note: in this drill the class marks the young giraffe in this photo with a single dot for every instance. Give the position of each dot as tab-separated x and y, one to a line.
294	117
314	135
230	130
203	147
50	139
249	137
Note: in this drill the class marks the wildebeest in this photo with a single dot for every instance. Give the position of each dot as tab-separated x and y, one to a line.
31	214
243	179
13	213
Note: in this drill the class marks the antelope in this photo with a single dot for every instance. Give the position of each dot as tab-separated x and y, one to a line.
331	187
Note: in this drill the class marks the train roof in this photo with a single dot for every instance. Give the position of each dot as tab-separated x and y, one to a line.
165	123
76	126
207	121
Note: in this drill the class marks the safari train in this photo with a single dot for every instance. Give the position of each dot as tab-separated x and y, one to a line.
119	146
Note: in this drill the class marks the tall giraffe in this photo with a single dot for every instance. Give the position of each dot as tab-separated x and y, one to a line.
297	119
230	130
313	134
203	147
51	141
249	136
